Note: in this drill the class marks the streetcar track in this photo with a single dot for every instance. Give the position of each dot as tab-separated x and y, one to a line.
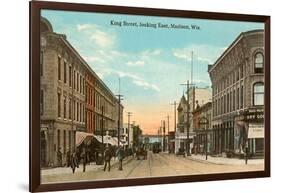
150	163
180	161
132	169
167	164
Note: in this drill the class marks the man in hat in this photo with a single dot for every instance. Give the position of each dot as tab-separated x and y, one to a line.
107	158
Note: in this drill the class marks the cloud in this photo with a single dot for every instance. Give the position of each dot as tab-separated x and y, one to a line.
101	37
202	53
146	85
149	52
137	80
81	27
94	59
136	63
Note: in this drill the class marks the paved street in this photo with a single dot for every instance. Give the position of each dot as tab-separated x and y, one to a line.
161	164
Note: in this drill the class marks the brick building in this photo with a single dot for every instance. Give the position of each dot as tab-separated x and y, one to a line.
238	96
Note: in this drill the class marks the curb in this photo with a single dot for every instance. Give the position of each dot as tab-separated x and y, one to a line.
203	161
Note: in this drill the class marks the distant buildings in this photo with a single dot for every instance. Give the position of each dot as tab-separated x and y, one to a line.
72	97
126	134
238	96
181	132
197	96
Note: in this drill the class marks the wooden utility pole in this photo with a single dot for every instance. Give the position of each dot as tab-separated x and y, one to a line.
119	104
168	117
187	117
102	141
129	115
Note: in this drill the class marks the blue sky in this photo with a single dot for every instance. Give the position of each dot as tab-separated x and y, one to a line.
151	62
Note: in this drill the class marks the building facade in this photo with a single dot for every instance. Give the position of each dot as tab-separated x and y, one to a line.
238	96
72	97
90	102
126	135
62	94
197	96
202	122
107	110
181	132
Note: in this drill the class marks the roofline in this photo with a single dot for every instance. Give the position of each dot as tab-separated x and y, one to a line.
241	35
47	22
202	107
87	66
68	44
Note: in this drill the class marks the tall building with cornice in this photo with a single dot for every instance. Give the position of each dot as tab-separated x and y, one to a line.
71	98
238	96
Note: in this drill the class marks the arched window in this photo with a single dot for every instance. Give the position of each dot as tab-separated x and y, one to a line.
259	60
258	94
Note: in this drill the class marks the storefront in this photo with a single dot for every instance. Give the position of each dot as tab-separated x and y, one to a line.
249	132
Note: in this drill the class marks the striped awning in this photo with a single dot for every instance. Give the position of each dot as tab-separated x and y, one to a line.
82	137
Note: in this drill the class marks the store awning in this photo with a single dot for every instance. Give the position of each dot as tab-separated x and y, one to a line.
107	139
82	137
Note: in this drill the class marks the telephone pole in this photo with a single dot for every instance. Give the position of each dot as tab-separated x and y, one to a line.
102	128
129	115
119	104
168	139
187	84
164	136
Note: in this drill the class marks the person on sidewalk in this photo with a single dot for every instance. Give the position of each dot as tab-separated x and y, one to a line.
107	158
67	158
84	159
74	162
59	157
120	154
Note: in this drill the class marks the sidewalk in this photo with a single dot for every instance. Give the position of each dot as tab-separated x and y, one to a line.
89	168
224	161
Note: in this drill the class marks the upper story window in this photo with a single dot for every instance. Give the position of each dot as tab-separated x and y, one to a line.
41	63
259	60
41	102
70	75
258	93
64	72
59	68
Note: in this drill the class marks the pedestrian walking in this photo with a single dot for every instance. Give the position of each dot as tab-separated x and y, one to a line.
59	157
84	159
107	158
68	158
74	162
120	154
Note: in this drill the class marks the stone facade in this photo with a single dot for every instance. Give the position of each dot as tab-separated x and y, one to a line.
237	80
72	96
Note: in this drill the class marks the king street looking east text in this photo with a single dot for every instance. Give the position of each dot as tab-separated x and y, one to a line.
154	25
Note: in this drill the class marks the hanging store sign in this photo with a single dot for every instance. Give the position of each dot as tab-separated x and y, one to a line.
256	131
